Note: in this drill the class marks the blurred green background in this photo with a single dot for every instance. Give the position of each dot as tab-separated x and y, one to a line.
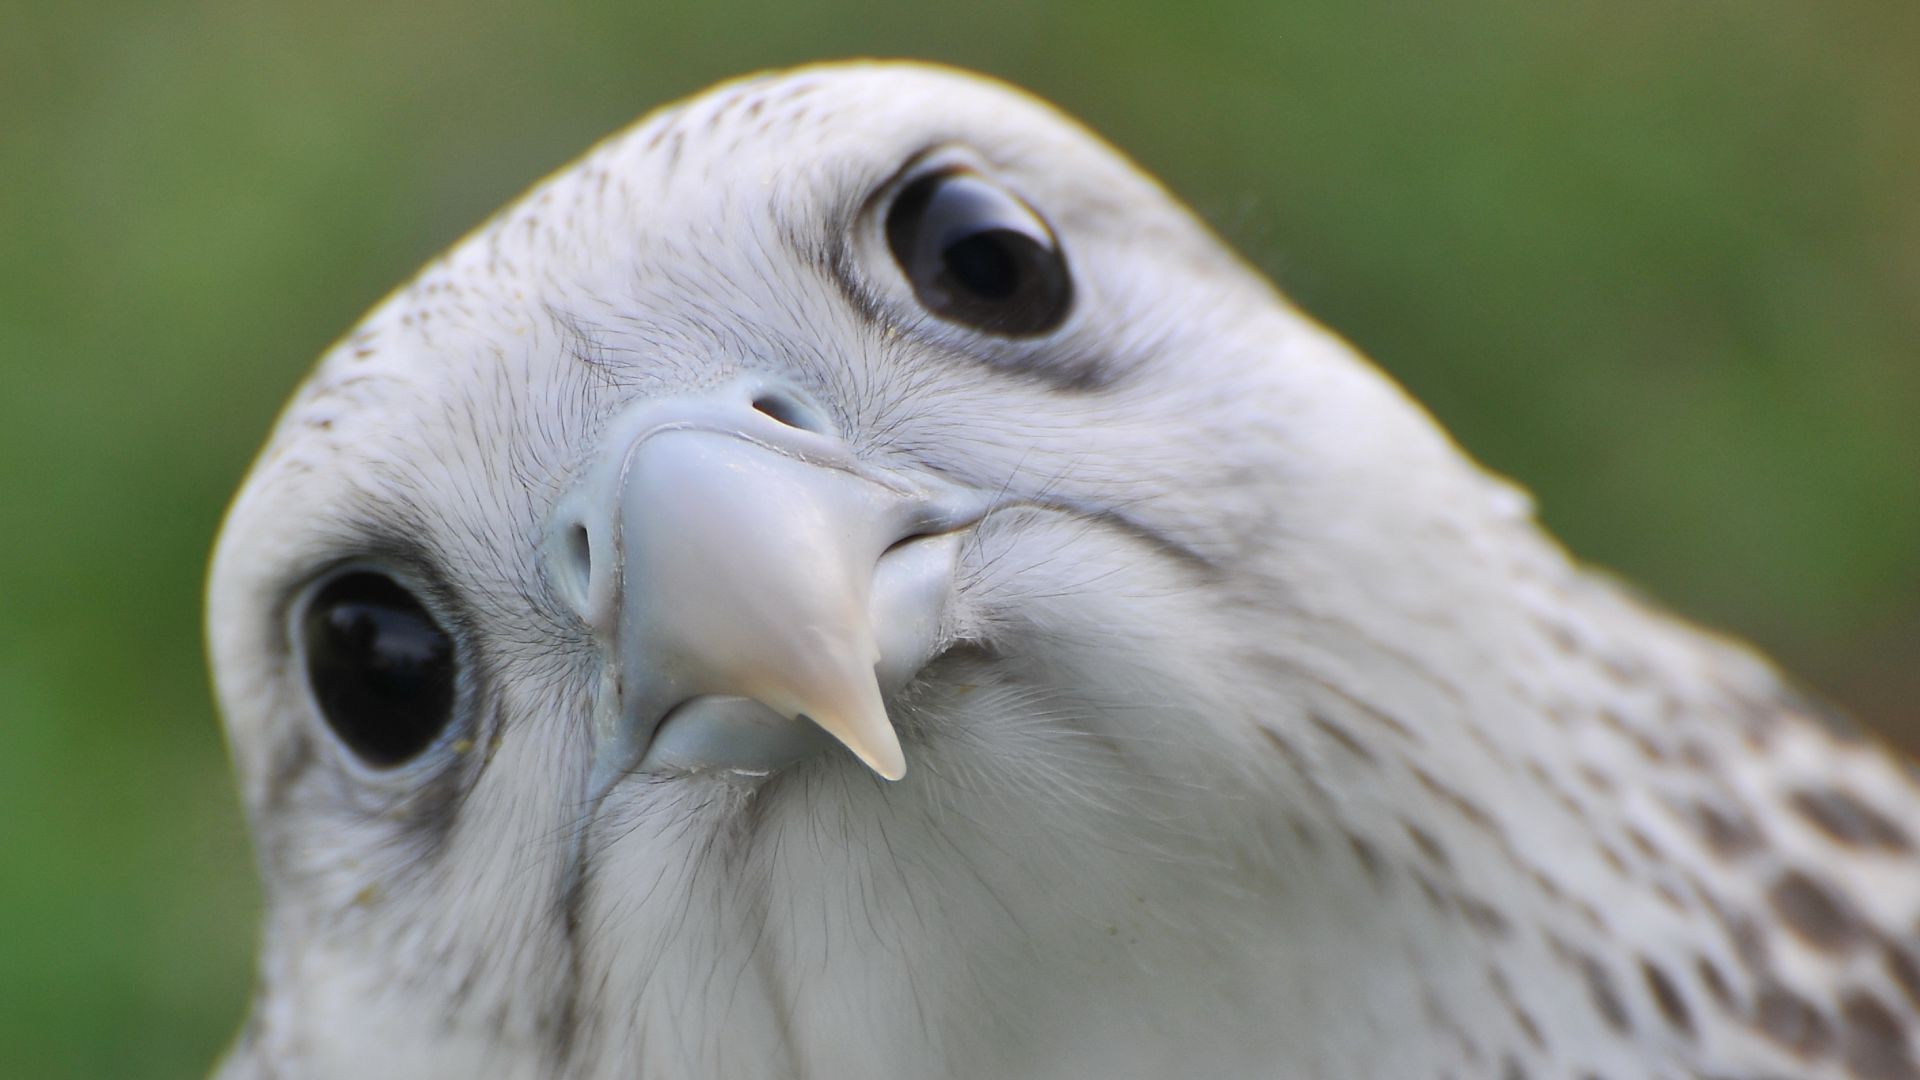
1660	261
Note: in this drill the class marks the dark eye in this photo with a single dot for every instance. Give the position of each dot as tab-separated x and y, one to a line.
380	667
977	255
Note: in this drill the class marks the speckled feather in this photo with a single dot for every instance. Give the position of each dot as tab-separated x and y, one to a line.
1273	739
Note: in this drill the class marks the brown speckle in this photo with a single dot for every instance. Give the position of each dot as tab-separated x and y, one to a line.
1431	891
1848	820
1303	832
1749	944
1649	749
1727	834
1343	737
1815	913
1667	996
1624	669
1901	967
1439	1016
1430	847
1298	763
1872	1042
1368	858
1789	1021
1393	724
1560	634
1715	982
1600	782
1645	846
1521	1017
1694	755
1483	916
1614	860
1529	1028
1544	777
1473	812
1605	998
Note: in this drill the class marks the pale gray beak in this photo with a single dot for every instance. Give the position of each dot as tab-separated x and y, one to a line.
752	584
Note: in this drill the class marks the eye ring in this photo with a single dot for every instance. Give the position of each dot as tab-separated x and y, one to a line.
977	255
380	669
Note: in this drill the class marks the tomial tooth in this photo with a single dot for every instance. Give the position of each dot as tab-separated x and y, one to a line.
844	700
865	730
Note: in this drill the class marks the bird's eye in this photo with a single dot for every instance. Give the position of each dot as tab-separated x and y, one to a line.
977	255
381	668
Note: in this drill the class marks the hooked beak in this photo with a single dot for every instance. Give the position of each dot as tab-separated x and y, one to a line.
751	584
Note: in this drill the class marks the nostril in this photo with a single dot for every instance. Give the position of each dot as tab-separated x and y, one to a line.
579	562
790	411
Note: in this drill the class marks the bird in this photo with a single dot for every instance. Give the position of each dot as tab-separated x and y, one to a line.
851	578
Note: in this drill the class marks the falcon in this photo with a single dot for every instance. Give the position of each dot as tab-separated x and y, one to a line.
852	579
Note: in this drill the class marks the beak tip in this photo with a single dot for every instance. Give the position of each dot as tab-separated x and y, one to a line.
858	722
882	754
876	745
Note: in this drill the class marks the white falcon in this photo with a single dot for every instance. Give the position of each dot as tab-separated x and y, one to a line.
851	579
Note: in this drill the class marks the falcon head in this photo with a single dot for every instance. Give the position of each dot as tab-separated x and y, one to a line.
849	578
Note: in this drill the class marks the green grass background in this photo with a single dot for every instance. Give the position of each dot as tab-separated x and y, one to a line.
1660	261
